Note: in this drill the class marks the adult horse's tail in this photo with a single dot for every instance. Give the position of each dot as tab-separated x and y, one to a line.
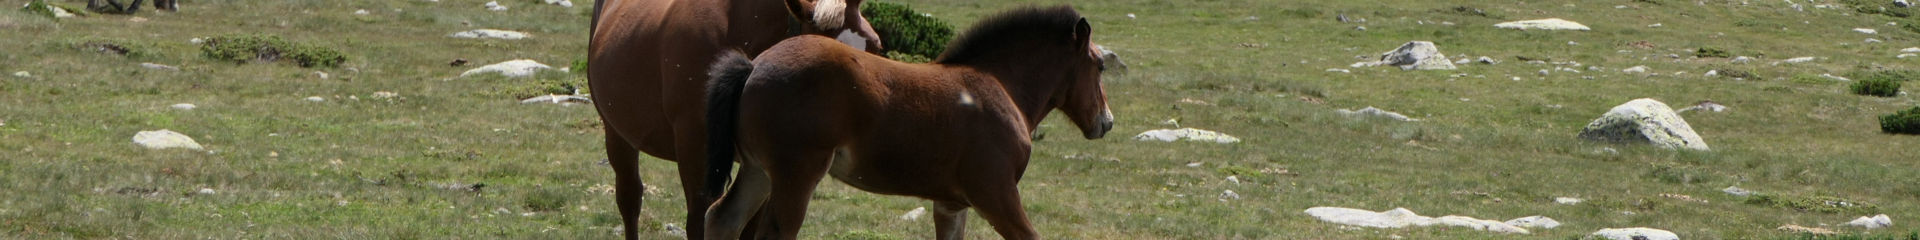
723	109
594	26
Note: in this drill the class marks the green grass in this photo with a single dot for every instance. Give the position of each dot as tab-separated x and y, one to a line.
379	169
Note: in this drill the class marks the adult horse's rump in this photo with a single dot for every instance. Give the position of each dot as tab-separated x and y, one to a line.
648	73
955	132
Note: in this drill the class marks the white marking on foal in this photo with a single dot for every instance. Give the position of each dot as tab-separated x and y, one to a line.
966	99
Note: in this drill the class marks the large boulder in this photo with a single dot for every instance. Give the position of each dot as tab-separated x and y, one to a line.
1644	120
1544	24
1422	55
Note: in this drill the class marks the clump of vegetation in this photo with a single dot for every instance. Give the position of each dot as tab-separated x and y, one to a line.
557	85
41	7
545	200
1710	52
1903	122
1736	73
268	48
905	31
1871	7
1881	87
126	48
1821	204
579	66
1896	75
1469	11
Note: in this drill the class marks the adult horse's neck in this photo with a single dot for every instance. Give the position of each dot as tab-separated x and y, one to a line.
1030	80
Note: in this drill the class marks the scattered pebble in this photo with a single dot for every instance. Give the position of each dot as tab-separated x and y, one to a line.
674	230
206	191
316	99
1229	195
1233	179
22	74
1567	200
361	12
914	214
184	106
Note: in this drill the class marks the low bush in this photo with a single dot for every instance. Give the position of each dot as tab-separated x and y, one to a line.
269	48
1903	122
1880	87
906	31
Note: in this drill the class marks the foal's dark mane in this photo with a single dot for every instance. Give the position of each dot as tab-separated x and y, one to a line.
1011	27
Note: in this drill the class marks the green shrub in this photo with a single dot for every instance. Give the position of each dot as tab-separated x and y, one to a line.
1903	122
1709	52
41	7
546	200
246	48
897	56
1895	75
903	30
1882	87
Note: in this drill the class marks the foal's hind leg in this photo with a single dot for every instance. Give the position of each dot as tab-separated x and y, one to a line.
794	176
732	212
627	188
999	203
950	220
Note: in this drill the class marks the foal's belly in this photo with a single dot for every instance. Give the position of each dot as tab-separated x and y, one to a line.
880	177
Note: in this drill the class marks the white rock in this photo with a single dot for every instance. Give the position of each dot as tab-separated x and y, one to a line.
495	6
562	3
361	12
1375	112
1711	73
1401	217
1534	222
1874	222
1906	55
674	230
156	66
1742	59
164	139
1339	70
1736	191
1866	30
1635	69
1644	120
914	214
1568	200
184	106
1708	106
1544	24
1486	60
206	191
316	99
384	95
1795	60
196	41
1910	50
1902	3
1131	16
558	99
489	33
1229	195
1873	40
321	75
1189	134
1634	234
1656	25
515	68
1421	55
22	74
1233	179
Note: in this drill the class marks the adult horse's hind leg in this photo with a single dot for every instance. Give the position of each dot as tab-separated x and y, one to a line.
731	212
627	188
950	220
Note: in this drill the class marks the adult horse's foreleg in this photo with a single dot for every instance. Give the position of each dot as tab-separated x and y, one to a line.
732	212
627	188
949	220
999	203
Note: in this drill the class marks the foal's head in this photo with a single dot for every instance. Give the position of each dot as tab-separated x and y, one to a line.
1052	49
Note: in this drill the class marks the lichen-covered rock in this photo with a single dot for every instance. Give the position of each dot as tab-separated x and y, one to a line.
164	139
1544	24
1647	121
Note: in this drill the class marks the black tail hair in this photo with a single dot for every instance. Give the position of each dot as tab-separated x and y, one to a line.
729	74
593	27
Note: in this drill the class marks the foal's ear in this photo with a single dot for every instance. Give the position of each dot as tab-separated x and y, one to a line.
1082	33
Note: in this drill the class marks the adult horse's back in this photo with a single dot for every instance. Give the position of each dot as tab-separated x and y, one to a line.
648	74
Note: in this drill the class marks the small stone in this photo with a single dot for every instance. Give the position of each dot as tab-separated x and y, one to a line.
1567	200
502	211
1742	59
206	191
164	139
1543	72
321	75
1339	70
1866	30
1233	179
1370	111
1656	25
914	214
1874	222
316	99
196	41
1711	73
1797	229
1543	24
156	66
1910	50
183	106
1534	222
490	33
495	6
1229	195
384	95
513	68
22	74
1737	191
1872	40
1795	60
562	3
361	12
1634	234
674	230
1189	134
1906	55
1635	69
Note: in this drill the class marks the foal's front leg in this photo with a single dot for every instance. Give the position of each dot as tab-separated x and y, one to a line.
950	220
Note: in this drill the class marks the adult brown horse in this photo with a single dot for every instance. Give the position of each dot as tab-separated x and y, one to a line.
955	131
648	75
